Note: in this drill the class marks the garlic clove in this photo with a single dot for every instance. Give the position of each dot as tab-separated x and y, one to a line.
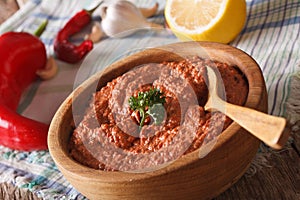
123	18
49	71
149	12
96	33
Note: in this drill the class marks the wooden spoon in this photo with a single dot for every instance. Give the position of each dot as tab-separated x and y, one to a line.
269	129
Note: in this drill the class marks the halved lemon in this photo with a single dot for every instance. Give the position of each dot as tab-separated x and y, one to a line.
206	20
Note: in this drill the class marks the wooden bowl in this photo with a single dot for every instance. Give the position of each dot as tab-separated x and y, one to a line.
189	177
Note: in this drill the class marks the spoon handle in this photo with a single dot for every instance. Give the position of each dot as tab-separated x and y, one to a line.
269	129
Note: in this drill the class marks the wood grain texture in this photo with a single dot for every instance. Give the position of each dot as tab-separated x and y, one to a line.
188	177
9	192
277	178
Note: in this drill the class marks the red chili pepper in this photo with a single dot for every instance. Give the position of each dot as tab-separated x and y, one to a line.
64	49
21	55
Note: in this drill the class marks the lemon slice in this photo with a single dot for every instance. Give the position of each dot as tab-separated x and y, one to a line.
206	20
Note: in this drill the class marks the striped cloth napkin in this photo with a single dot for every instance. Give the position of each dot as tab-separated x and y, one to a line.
270	36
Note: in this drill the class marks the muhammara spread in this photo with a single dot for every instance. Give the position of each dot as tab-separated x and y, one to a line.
121	131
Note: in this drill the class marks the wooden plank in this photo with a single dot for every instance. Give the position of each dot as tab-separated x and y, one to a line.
8	191
296	139
273	175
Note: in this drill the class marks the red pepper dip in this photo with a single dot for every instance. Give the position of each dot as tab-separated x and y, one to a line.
109	137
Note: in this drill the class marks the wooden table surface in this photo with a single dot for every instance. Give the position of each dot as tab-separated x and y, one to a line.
273	174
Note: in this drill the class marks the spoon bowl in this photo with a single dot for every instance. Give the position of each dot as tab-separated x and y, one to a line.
271	130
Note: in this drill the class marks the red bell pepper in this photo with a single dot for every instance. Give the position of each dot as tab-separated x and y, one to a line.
63	48
21	55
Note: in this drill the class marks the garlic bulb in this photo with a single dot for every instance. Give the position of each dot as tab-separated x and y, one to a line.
123	18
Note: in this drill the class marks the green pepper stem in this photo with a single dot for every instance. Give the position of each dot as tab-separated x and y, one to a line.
93	9
38	32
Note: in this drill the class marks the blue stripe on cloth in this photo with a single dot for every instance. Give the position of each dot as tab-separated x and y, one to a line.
258	1
249	13
272	102
274	10
255	14
272	89
285	76
36	1
261	29
284	72
63	18
51	17
280	23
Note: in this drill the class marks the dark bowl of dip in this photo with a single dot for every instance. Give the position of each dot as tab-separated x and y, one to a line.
97	141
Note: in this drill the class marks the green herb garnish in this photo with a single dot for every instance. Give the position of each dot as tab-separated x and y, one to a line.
149	103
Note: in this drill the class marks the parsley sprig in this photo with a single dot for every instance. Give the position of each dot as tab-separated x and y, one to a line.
149	103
